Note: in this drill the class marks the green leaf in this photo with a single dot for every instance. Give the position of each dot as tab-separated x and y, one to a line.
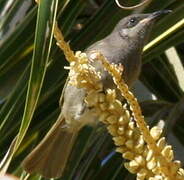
43	41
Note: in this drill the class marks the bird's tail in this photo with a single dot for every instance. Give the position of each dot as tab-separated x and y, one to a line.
50	156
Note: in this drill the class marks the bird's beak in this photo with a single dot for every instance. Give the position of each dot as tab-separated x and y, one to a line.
158	14
155	15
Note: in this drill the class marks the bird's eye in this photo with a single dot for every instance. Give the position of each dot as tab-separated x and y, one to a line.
132	22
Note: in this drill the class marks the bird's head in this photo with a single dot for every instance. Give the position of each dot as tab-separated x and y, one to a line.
137	27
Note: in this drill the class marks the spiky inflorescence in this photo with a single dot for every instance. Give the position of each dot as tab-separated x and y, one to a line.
161	161
149	156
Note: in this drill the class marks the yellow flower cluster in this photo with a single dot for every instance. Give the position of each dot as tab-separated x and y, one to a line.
129	140
82	74
149	156
69	54
157	156
126	133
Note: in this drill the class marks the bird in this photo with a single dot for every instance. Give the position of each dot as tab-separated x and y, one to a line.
124	45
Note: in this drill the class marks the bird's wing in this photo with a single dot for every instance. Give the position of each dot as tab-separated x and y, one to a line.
61	100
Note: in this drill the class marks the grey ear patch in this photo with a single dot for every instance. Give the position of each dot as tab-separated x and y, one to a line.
124	33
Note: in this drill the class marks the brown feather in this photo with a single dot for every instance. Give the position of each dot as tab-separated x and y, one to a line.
50	156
